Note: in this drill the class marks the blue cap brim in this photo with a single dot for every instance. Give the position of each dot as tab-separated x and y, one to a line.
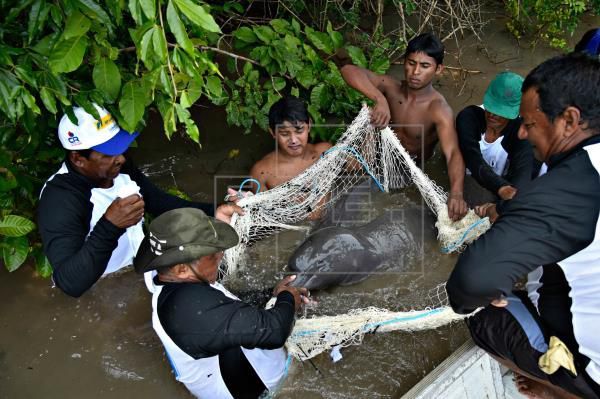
118	144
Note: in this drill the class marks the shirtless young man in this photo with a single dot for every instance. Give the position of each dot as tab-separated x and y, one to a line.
289	124
419	114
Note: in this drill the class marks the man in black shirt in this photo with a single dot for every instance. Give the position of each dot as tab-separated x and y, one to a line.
219	347
488	137
550	234
91	211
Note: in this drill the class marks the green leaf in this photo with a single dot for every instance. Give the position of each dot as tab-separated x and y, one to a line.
29	101
213	84
265	34
77	25
14	252
46	44
197	15
305	77
167	111
149	8
37	18
26	76
336	37
135	9
94	11
42	264
358	58
281	26
320	40
278	83
146	45
190	126
245	34
159	43
107	77
295	92
178	29
132	104
48	99
15	226
68	54
379	65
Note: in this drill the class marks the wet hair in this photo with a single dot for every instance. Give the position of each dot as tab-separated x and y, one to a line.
290	109
589	43
568	80
426	43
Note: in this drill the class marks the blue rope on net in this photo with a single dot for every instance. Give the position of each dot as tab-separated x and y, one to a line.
359	158
251	181
461	240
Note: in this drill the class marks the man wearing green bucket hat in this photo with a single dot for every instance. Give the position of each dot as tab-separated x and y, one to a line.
218	346
488	137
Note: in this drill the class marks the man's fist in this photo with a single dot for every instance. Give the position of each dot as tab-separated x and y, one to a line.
125	212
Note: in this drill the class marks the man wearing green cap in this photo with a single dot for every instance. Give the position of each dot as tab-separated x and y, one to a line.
219	347
488	137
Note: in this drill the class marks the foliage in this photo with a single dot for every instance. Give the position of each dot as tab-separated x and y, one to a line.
134	55
549	20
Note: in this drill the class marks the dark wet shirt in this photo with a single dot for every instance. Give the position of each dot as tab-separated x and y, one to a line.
64	214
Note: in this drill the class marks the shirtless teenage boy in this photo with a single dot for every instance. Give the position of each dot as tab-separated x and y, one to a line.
419	114
289	124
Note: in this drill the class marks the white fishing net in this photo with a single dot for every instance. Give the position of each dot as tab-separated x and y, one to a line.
312	336
361	152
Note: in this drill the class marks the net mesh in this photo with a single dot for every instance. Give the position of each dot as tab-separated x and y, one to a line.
361	152
312	336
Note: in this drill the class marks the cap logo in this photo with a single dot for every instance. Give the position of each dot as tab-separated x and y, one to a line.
104	121
73	139
156	244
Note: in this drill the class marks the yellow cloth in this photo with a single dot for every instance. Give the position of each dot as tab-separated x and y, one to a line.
557	355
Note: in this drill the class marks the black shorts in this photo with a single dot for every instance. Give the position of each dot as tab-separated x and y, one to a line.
513	333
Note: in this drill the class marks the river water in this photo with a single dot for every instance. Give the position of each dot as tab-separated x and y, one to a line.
102	345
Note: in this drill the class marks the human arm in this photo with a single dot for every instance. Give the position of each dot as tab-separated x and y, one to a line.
552	220
204	322
521	159
470	124
373	86
77	260
444	124
158	201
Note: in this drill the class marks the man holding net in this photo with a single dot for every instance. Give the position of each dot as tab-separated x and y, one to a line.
219	346
546	334
419	114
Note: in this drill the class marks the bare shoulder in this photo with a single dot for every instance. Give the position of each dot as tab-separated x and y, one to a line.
322	147
440	109
264	165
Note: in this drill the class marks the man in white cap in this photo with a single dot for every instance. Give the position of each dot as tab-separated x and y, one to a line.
91	211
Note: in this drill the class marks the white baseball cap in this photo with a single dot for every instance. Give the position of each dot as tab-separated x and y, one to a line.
103	135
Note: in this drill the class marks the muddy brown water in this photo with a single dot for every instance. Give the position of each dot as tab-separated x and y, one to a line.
102	345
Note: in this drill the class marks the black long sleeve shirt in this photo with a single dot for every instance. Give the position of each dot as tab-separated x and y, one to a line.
551	224
470	124
64	214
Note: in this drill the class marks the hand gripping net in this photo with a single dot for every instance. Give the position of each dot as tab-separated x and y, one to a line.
360	153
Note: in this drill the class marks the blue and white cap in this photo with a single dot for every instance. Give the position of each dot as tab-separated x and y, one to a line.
103	135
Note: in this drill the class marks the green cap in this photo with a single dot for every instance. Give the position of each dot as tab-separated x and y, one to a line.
182	236
503	95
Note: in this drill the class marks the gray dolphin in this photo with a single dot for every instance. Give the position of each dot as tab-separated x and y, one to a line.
337	255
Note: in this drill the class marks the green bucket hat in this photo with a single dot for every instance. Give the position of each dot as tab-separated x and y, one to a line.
181	236
503	95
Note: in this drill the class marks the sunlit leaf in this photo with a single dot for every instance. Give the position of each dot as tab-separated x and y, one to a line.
245	34
197	15
149	8
15	226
